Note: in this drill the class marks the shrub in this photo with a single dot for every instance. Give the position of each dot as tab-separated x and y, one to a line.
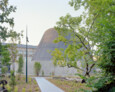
12	80
4	70
37	67
20	65
34	81
23	90
16	89
30	90
42	73
36	89
29	80
8	88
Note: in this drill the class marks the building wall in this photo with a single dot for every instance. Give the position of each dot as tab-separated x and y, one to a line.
22	50
48	69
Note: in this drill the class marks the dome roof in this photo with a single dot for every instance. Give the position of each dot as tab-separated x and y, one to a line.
46	44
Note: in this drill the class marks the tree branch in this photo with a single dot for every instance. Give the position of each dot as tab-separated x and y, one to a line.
78	37
91	67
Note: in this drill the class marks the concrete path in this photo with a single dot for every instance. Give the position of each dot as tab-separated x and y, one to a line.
47	86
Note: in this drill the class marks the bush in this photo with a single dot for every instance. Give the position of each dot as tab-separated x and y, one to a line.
36	89
16	89
12	80
37	67
4	70
29	80
34	81
30	90
8	88
42	73
23	90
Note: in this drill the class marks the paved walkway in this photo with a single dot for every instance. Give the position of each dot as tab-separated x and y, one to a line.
47	86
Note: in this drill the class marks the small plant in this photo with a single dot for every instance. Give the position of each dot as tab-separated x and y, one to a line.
42	73
23	90
12	80
4	70
30	90
34	81
37	67
20	66
36	89
30	80
24	78
16	89
8	88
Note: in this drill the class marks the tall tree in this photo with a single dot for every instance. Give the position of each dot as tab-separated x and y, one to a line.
14	40
5	55
5	11
5	59
20	65
79	49
6	22
101	16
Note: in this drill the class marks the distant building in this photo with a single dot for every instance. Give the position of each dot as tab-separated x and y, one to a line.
41	54
31	51
44	57
22	50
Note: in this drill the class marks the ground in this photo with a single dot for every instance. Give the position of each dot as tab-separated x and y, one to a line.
22	86
68	86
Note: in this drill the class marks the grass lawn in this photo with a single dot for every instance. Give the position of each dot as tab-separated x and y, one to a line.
68	86
22	86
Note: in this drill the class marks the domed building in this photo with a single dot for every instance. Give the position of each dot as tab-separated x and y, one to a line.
43	56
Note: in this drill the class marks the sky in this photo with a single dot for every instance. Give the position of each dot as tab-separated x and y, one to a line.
38	16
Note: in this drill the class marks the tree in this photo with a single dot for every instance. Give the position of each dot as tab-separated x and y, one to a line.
5	59
4	70
37	67
101	18
12	80
5	55
79	48
20	65
5	11
14	40
5	19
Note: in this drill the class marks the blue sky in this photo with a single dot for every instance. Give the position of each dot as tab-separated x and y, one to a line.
39	15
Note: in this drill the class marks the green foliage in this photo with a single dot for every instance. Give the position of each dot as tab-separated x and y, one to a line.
4	69
5	55
36	89
34	81
79	49
6	26
16	89
30	80
23	90
30	90
94	28
42	73
5	59
100	19
5	11
9	88
12	80
20	64
37	67
13	54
